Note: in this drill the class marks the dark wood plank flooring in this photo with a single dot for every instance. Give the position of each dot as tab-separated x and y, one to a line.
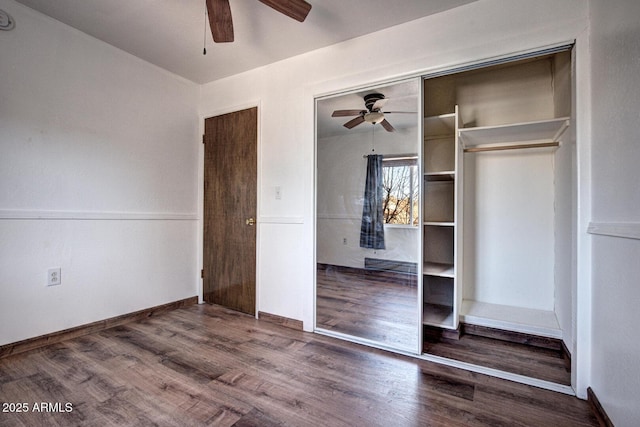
375	306
206	365
536	362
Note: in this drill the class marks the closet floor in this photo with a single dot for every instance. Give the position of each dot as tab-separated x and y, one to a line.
536	362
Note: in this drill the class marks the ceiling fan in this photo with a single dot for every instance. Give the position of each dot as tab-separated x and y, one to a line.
373	114
220	15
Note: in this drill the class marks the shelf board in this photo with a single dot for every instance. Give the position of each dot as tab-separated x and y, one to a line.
510	318
543	130
437	315
442	126
438	269
439	223
440	176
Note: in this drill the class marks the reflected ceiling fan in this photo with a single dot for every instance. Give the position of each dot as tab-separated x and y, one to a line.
373	114
220	15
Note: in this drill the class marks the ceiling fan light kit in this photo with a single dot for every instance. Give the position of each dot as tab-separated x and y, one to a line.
221	24
374	118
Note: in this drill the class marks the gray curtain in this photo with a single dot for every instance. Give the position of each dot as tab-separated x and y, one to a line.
372	228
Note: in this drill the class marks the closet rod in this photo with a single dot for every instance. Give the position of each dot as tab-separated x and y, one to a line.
512	147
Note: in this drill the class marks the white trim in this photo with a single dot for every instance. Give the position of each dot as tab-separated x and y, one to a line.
9	214
333	88
281	220
627	230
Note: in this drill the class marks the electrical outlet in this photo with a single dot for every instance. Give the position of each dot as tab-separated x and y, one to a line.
278	193
53	277
344	240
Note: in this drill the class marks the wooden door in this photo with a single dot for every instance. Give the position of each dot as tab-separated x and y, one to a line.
230	197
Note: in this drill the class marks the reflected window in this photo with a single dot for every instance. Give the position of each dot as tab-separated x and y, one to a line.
400	187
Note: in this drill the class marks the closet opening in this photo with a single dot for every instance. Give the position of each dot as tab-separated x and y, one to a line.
498	274
473	264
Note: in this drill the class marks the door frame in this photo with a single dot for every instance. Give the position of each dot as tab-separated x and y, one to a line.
200	232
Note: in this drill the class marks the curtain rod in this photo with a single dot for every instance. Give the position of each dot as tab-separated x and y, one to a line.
395	156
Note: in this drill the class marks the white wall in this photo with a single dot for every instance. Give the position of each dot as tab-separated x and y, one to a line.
509	228
286	91
341	179
98	176
616	199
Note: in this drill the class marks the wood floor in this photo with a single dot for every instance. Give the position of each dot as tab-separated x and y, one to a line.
206	365
373	306
536	362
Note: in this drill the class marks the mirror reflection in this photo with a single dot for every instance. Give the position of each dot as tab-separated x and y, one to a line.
367	215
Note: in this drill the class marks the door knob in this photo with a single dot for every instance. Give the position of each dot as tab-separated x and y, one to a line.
250	221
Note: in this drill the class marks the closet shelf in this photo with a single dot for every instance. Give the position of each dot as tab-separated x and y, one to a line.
439	223
437	315
514	134
438	127
517	319
440	176
438	269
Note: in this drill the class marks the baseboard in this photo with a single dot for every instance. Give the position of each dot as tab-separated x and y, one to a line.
280	320
515	337
598	410
378	264
400	278
78	331
566	355
433	333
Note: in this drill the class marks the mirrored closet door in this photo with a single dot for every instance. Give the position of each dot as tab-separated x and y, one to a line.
368	232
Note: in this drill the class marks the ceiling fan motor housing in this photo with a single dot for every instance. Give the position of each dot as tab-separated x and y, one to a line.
371	99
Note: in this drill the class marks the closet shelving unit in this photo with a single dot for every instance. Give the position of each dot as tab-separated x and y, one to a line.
445	140
440	221
535	134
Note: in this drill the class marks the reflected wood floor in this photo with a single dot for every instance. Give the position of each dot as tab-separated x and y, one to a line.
377	306
206	365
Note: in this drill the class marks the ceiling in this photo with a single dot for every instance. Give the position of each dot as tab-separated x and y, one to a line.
171	33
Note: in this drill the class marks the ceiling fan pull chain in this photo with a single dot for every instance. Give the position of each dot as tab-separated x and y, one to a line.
373	138
204	42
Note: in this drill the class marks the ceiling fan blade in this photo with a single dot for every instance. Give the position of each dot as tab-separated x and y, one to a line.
385	124
398	112
347	113
220	20
379	104
354	122
296	9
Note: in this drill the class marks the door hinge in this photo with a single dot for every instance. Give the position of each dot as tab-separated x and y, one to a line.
202	274
203	138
